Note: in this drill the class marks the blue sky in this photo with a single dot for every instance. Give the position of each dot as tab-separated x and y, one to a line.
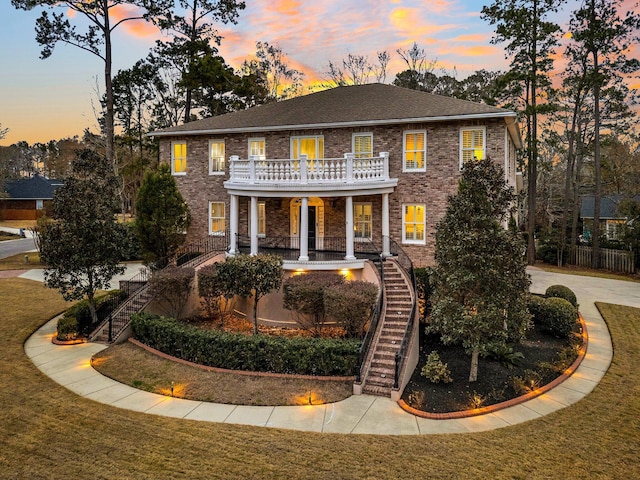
57	97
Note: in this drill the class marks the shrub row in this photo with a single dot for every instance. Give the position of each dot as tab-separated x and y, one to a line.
261	353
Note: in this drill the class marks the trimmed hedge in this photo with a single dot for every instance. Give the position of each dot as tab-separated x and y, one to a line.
258	353
560	291
555	316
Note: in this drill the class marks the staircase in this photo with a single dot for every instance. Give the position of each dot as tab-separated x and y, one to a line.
121	317
399	301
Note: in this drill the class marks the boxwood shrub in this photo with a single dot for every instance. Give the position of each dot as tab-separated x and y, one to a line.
560	291
235	351
555	316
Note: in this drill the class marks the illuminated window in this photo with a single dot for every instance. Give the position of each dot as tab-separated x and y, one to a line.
415	151
257	148
179	158
413	223
363	145
312	147
262	223
362	220
472	144
216	218
216	157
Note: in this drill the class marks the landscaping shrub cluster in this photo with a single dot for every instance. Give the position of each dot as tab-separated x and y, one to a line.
171	288
557	313
261	353
77	320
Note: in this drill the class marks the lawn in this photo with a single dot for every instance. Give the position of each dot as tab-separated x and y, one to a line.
17	262
587	272
50	433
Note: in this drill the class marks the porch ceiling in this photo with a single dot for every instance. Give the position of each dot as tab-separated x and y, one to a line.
315	190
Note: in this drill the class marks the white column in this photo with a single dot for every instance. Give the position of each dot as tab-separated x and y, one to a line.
304	230
348	213
233	225
385	225
253	232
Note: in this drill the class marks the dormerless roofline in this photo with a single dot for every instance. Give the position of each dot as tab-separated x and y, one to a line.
506	115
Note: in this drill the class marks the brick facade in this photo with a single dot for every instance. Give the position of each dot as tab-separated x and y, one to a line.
431	187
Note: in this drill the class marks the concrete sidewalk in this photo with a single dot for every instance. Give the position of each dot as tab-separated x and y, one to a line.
360	414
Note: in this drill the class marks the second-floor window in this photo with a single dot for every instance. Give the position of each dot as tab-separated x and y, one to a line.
179	158
257	148
472	144
311	146
362	145
415	151
216	157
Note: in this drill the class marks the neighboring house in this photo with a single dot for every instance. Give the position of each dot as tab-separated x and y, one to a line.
27	198
349	170
610	219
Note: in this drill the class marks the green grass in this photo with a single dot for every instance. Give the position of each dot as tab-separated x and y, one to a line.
51	433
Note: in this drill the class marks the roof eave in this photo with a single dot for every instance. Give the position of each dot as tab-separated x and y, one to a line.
387	121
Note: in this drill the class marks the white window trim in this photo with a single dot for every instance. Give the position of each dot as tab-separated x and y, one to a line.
217	172
173	163
404	151
256	139
361	134
411	241
484	141
319	154
217	234
362	239
264	204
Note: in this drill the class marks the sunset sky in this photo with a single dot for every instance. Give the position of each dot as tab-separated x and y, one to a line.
57	97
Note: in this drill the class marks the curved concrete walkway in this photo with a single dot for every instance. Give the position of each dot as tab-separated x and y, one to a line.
70	366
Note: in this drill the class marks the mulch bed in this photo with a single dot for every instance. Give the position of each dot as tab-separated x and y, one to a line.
495	382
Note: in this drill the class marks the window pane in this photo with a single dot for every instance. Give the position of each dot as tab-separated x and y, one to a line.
217	157
179	157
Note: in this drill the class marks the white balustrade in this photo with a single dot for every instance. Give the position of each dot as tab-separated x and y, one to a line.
304	171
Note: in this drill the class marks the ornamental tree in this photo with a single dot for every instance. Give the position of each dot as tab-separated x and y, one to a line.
162	217
481	283
82	246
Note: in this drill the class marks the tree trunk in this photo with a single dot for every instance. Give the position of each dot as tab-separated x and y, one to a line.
595	255
473	374
532	167
109	129
255	315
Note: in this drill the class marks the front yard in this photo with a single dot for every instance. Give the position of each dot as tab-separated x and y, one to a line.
51	433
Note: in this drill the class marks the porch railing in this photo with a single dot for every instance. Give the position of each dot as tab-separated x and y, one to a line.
326	248
309	171
401	355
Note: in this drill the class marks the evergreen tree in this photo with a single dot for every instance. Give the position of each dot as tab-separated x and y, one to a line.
162	217
82	247
481	283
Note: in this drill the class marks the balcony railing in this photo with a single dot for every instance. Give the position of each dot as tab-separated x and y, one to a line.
305	171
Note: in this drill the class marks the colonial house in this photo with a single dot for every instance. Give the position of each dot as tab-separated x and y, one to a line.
611	220
27	198
347	171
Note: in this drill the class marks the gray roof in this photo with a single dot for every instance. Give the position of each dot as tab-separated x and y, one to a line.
32	188
608	206
371	104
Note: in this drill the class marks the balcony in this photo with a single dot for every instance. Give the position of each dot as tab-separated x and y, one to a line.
347	174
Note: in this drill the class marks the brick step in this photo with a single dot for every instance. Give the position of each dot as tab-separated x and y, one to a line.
388	348
383	366
377	390
387	328
384	356
377	378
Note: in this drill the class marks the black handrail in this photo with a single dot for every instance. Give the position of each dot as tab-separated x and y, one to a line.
332	248
374	319
404	261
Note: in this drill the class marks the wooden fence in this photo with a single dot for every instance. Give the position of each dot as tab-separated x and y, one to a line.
614	260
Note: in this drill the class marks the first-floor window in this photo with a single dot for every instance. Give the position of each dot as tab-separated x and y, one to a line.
262	219
614	227
179	158
362	220
413	223
216	218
